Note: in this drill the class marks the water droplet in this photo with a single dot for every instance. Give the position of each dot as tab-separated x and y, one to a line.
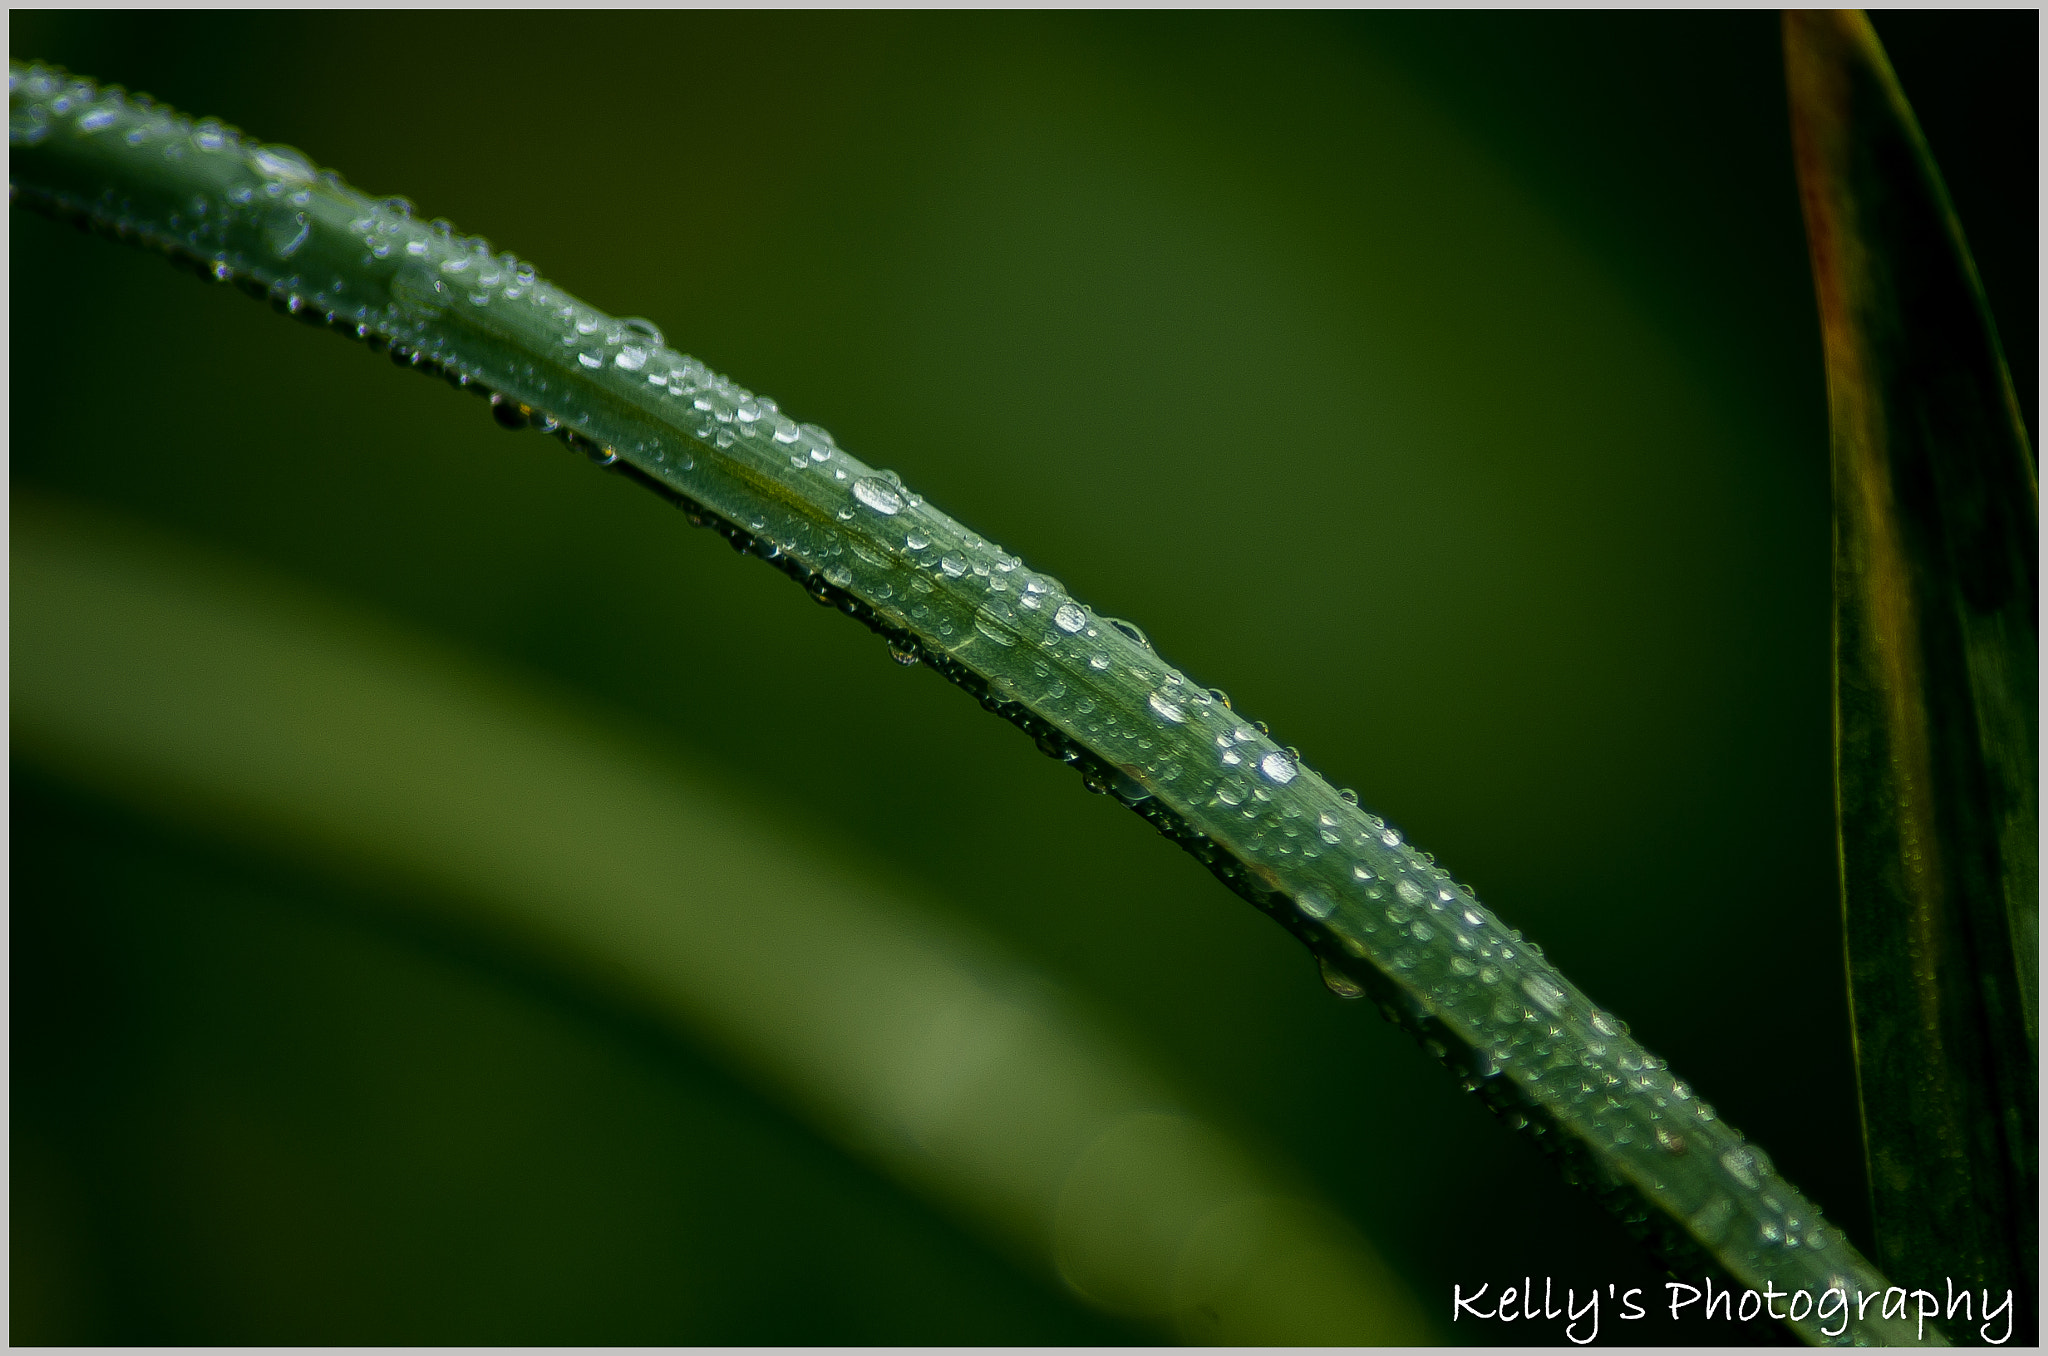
1313	904
592	361
1128	789
878	494
991	625
1167	710
837	574
647	330
288	233
952	566
1099	662
902	653
1133	632
1279	767
96	119
1710	1221
1670	1140
1741	1164
1069	618
1603	1024
1544	994
632	358
1337	982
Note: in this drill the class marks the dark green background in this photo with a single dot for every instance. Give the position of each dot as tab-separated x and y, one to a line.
1446	387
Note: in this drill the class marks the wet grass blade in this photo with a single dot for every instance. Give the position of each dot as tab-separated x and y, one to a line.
1091	690
1936	661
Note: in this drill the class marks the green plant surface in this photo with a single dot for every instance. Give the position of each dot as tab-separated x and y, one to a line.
1937	673
1151	963
1379	913
923	1050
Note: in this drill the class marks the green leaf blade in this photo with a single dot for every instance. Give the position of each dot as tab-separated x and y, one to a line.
1937	722
1091	690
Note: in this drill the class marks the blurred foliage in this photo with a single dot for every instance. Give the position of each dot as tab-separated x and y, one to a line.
254	1106
241	707
1537	559
1937	709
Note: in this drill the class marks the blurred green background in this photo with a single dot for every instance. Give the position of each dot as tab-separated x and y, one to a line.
1446	387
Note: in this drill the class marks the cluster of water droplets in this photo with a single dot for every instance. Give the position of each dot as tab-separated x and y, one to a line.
1515	1020
1344	878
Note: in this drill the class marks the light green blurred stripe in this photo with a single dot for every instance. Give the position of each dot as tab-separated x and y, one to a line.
243	706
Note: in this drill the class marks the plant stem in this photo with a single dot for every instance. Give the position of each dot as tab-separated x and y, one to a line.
1379	915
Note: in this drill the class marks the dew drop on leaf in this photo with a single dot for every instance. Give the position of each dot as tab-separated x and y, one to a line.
1337	982
1278	767
1128	629
1544	994
879	495
647	330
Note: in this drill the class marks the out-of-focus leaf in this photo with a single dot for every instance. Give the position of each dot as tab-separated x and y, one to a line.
1936	662
243	707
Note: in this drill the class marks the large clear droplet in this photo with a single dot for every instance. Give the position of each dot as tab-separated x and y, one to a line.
287	233
1279	767
879	495
1545	994
646	329
1337	982
1133	632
